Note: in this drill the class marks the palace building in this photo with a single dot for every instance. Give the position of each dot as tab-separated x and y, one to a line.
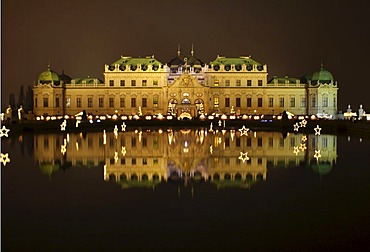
185	84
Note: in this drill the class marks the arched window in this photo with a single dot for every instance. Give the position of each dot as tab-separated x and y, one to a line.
185	101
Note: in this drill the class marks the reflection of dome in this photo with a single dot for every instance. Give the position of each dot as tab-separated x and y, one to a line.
48	169
322	168
322	76
48	76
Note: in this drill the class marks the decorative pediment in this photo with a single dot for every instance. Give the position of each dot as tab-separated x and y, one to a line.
186	81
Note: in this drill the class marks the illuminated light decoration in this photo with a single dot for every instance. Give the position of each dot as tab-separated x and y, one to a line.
317	130
211	149
296	127
256	117
77	123
232	134
160	131
224	117
300	117
303	146
296	150
349	138
104	138
98	120
223	131
2	116
4	131
211	117
243	156
148	118
66	117
42	118
109	116
169	117
304	138
4	158
170	137
232	117
115	131
313	117
317	155
211	127
47	118
224	124
91	121
255	134
53	118
219	123
160	116
90	117
202	117
360	140
38	118
63	147
303	123
140	135
245	117
115	156
114	117
102	118
124	117
77	146
136	117
244	131
105	170
219	140
63	125
67	137
123	126
123	151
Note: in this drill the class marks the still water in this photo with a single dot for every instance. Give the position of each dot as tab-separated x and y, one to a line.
185	190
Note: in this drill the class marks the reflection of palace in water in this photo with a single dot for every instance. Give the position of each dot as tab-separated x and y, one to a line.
145	158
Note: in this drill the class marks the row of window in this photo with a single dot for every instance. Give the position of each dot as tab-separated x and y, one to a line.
123	161
238	83
133	83
292	102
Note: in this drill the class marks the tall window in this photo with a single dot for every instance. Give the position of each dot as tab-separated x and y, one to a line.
36	102
57	102
46	102
281	101
271	102
259	83
216	102
238	83
68	102
111	102
122	83
101	102
334	101
143	83
111	83
227	102
155	83
89	102
133	102
249	83
122	102
78	102
259	102
227	83
292	101
313	101
238	102
249	102
133	83
303	102
325	101
216	82
144	102
155	102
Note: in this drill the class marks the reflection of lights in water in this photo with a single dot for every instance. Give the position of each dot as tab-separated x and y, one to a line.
317	154
349	138
211	127
77	123
170	137
255	134
77	146
123	126
63	125
303	146
105	171
296	150
115	131
115	156
303	123
104	138
68	138
185	150
304	138
160	131
211	149
186	144
123	150
296	127
244	131
232	134
360	140
224	131
63	147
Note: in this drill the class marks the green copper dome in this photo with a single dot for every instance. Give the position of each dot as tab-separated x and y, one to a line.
48	76
322	76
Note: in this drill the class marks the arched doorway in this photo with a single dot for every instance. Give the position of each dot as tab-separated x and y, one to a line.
199	103
172	103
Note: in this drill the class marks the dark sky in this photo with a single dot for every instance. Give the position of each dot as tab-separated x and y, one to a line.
292	37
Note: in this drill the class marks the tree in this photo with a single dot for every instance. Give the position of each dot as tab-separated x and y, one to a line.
12	100
20	97
28	101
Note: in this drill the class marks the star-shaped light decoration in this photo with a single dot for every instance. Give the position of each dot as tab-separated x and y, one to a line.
317	130
303	123
4	131
317	155
63	147
63	125
123	151
304	138
296	150
296	127
4	158
243	131
115	131
123	126
303	146
243	156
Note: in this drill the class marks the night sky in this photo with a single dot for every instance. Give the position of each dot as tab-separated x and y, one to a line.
292	37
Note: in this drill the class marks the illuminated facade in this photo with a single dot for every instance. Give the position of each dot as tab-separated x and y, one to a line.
185	85
146	158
